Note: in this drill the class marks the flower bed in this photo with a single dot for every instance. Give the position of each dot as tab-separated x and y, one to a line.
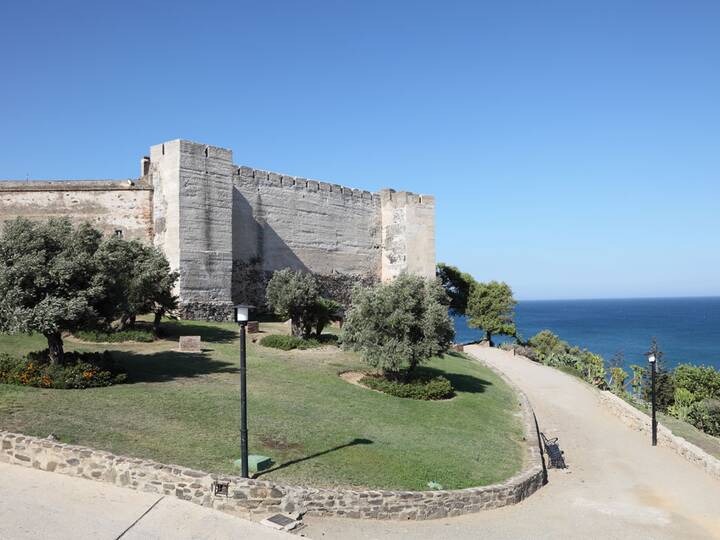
78	370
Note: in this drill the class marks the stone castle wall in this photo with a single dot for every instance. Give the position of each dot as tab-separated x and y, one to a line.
303	224
111	206
220	224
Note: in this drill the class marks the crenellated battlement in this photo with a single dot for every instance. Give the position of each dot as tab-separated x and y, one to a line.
273	179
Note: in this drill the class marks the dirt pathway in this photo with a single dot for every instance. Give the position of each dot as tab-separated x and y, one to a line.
617	485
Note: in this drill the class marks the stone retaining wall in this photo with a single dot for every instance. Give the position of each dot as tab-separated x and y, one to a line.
246	496
640	421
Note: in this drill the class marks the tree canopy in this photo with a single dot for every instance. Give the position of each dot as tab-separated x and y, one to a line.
49	279
457	285
398	325
491	308
57	278
294	295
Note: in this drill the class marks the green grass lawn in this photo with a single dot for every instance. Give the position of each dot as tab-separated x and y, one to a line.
183	408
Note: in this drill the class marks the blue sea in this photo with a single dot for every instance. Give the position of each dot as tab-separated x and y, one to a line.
687	329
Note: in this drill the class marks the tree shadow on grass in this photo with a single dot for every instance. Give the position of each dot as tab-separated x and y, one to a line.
354	442
168	365
172	330
460	381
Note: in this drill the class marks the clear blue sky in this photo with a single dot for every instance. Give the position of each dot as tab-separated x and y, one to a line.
574	147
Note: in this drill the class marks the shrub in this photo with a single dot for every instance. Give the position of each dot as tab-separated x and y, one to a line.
324	312
683	402
100	336
428	389
592	366
521	350
664	388
618	376
702	381
398	325
78	370
561	360
637	379
547	344
294	295
705	415
288	343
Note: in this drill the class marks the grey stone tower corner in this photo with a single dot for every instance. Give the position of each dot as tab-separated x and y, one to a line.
192	216
408	234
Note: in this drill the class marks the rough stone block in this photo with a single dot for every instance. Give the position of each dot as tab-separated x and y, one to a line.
190	344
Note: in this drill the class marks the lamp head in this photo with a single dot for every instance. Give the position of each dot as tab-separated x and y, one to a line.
242	313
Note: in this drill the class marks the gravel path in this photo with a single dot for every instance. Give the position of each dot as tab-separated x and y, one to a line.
617	485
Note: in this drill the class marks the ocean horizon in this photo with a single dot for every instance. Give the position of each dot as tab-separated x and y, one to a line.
687	329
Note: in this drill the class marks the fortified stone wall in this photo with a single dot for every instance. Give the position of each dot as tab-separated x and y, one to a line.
286	221
112	206
226	228
282	221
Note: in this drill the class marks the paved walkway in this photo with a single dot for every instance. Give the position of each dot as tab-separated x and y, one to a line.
36	504
617	485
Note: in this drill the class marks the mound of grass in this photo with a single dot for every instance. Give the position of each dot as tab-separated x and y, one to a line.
139	335
320	430
288	343
428	389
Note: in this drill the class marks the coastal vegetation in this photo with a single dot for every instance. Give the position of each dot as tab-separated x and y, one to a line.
489	307
688	393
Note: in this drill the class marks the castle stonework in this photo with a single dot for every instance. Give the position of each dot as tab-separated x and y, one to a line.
225	227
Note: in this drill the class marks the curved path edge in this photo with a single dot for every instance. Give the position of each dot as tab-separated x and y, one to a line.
241	496
639	421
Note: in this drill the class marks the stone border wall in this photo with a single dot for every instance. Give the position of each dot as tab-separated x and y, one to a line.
247	496
639	421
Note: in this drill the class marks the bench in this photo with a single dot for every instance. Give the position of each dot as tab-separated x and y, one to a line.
557	461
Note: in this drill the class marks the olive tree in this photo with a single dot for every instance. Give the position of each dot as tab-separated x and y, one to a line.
50	279
491	308
398	325
138	281
294	295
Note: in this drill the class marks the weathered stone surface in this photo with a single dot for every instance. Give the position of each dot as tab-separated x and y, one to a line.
111	206
190	344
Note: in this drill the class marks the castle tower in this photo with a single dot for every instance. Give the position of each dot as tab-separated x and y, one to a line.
408	234
192	216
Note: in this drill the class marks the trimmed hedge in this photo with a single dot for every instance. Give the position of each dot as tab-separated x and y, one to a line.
100	336
288	343
78	370
427	389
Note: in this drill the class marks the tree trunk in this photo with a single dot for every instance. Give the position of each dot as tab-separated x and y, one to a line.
55	346
123	323
488	336
131	322
156	322
296	329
